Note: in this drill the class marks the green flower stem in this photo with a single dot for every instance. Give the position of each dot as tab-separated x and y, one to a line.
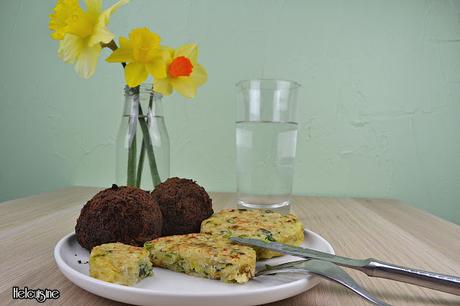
132	163
140	165
149	148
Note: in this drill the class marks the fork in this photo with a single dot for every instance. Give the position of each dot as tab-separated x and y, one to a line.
324	269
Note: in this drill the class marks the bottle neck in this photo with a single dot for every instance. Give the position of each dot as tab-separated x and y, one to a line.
142	102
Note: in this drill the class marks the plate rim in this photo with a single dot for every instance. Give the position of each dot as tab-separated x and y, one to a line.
67	269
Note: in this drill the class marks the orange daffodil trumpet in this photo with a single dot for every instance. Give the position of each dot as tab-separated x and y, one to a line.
143	55
81	32
184	74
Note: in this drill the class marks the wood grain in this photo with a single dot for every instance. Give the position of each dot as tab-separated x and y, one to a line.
379	228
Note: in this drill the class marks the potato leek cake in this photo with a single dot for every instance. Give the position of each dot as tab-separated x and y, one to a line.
257	223
204	255
119	263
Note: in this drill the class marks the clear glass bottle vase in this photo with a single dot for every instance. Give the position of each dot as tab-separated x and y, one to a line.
142	157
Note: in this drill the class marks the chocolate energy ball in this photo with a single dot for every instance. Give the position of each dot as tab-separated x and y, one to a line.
119	214
184	205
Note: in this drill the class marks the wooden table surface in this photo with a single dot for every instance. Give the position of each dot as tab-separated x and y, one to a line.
361	228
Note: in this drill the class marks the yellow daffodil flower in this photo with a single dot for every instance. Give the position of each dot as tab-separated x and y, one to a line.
82	32
143	54
184	74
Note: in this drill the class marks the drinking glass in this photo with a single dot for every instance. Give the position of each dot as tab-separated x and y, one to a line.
266	138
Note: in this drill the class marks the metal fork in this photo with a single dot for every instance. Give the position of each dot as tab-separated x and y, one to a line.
324	269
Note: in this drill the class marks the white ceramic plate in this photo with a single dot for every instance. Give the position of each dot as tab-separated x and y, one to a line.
172	288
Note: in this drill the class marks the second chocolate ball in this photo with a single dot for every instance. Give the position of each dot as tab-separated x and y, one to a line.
184	205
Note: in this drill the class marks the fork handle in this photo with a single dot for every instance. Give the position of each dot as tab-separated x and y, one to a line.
436	281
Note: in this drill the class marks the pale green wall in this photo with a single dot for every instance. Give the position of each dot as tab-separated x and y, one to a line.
379	105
